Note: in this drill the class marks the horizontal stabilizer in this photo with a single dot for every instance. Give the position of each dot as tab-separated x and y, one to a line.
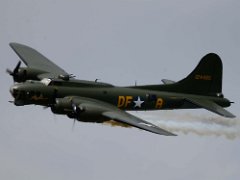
211	106
166	81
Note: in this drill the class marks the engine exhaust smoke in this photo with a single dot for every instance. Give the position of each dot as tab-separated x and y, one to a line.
202	125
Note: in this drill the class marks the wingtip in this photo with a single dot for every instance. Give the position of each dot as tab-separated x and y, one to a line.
230	115
167	133
11	44
172	134
14	45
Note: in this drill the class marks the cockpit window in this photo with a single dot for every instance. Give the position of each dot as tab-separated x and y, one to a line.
46	81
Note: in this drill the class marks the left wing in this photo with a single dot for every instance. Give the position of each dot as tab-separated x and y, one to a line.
109	111
35	60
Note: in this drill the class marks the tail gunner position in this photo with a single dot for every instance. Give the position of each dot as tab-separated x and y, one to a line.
43	83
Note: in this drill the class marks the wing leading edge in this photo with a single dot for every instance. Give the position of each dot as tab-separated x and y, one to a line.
111	112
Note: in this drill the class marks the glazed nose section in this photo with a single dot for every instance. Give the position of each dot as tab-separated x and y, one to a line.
13	90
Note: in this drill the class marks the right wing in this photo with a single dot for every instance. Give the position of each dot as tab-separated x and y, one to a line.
124	117
109	111
33	59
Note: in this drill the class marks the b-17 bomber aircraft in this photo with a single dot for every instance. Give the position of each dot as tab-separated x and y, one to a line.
44	83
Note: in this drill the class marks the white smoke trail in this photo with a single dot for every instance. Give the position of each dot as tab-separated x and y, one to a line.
201	125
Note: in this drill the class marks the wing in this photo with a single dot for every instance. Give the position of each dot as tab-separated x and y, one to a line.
33	59
129	119
112	112
211	106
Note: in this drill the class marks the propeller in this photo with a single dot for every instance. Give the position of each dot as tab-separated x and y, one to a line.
77	111
14	73
74	121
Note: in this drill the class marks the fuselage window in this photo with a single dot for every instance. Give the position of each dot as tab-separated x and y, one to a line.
151	97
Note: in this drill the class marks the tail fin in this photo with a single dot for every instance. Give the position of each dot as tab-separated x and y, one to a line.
205	79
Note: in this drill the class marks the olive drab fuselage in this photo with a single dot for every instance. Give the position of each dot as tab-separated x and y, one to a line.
126	98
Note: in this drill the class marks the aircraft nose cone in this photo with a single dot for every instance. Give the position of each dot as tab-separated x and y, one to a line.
13	90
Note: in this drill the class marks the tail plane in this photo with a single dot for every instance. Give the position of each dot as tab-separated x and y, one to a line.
204	81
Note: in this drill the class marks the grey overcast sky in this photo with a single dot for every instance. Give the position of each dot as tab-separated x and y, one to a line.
120	42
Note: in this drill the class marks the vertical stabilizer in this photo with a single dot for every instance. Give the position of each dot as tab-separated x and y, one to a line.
205	79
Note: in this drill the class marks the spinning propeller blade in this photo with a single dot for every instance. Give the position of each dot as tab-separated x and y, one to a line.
15	72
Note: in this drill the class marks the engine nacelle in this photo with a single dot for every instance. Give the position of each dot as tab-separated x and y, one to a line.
25	73
66	106
62	106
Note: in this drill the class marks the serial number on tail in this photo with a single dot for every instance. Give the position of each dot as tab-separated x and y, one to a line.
203	77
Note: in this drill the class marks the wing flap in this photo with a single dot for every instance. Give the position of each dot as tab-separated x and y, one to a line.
211	106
